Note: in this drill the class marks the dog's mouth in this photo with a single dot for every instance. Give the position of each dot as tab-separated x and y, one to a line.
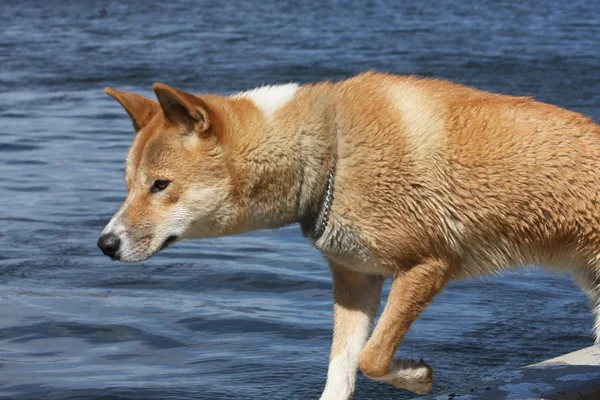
169	241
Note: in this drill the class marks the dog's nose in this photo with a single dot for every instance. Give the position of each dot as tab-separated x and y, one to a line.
109	244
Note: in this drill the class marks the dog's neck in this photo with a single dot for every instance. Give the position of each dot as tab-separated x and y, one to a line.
284	167
314	225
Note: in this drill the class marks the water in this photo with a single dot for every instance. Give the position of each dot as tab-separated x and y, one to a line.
250	316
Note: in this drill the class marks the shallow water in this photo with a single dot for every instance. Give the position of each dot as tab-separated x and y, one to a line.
248	316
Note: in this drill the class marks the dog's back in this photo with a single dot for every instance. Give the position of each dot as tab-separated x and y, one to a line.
490	180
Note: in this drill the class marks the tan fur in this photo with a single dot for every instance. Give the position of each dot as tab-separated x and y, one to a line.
434	181
411	292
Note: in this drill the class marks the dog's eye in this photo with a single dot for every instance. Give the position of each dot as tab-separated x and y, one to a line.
159	184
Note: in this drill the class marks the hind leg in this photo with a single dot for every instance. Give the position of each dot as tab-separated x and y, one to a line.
589	282
411	292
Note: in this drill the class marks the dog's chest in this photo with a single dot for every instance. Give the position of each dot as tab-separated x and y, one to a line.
342	245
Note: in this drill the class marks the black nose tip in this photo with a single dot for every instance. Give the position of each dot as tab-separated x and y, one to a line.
109	244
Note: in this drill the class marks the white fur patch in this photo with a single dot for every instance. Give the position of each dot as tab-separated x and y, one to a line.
118	228
115	225
421	117
585	280
202	202
410	375
341	375
270	98
342	245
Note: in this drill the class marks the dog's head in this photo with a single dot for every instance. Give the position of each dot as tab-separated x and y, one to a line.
178	176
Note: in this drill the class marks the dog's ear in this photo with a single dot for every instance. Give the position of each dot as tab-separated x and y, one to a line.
141	109
182	107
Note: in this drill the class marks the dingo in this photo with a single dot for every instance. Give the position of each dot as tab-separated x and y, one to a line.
420	180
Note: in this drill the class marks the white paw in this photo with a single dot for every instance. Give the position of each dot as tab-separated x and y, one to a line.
410	375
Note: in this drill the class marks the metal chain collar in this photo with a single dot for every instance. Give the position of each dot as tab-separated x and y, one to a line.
324	216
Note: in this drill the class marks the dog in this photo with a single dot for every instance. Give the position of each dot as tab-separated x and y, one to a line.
419	180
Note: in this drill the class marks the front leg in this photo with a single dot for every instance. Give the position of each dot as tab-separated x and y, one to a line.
411	292
356	299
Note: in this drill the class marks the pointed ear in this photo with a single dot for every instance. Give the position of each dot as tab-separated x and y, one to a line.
182	107
141	109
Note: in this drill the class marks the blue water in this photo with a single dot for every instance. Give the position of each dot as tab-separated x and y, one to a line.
245	317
